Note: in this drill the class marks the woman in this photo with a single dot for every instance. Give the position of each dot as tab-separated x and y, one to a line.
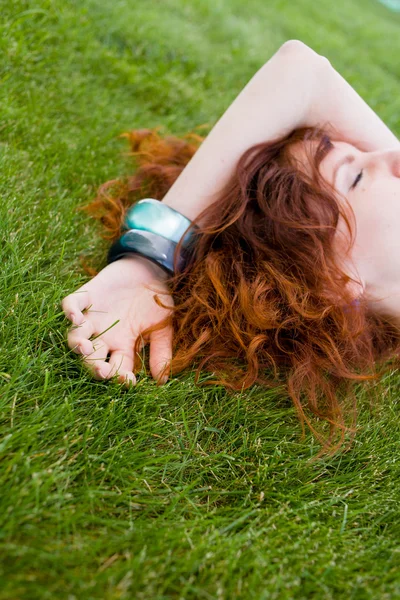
296	262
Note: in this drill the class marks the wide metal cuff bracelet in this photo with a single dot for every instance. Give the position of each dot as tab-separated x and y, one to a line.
154	247
154	216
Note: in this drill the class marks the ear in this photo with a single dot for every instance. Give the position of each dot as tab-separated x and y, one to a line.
355	287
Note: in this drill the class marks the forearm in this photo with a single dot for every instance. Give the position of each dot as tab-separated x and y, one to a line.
271	105
338	109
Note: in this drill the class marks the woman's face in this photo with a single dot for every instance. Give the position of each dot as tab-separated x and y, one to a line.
370	182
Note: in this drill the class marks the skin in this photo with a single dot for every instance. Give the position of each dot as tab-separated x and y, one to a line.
370	183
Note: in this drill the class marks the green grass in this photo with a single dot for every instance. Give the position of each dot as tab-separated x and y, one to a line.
182	491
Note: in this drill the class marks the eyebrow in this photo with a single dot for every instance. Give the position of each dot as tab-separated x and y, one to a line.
325	146
344	161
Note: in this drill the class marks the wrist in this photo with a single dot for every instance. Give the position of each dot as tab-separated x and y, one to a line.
147	265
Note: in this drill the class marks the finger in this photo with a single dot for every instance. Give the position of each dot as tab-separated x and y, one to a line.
96	360
74	304
121	365
78	338
160	353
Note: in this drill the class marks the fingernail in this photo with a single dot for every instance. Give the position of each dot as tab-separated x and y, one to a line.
127	380
100	372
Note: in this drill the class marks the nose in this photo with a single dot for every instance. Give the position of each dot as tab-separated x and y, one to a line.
388	160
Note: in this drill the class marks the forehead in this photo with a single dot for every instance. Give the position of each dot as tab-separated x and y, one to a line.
324	151
305	152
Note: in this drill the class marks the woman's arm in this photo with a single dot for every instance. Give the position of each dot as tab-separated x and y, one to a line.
345	116
296	88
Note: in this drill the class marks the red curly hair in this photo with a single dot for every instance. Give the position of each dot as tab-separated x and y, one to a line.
263	299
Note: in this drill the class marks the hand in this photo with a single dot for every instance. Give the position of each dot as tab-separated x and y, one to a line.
110	312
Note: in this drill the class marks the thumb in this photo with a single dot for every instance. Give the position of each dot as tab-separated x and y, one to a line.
161	353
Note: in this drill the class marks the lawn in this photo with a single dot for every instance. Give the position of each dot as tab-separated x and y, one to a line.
181	491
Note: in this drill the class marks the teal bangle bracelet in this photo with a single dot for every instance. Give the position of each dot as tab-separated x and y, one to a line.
149	245
158	218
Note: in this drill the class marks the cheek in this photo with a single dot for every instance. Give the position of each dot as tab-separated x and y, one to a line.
377	217
376	250
375	224
359	236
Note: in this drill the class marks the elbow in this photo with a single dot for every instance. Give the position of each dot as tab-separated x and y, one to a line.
295	50
294	47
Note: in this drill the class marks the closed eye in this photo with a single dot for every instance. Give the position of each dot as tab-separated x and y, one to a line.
357	179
